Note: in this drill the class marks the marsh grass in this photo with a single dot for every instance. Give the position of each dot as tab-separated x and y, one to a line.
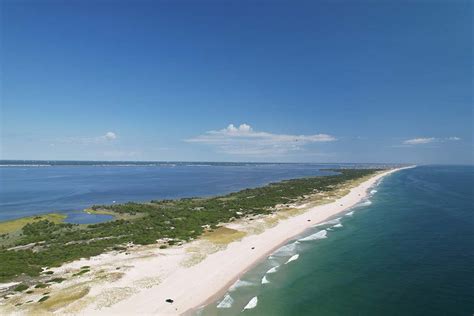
16	224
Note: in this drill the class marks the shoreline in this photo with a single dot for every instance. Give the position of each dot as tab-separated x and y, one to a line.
192	275
193	287
262	257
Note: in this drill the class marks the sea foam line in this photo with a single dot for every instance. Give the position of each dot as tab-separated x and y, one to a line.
286	250
365	203
239	283
319	235
330	222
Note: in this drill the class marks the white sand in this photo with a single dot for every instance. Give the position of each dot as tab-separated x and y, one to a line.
148	276
191	287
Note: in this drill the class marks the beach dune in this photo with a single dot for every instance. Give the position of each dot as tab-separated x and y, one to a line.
181	289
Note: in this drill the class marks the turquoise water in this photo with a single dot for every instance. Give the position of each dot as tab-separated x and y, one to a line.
407	250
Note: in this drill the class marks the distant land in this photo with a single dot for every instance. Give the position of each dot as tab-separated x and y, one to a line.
11	162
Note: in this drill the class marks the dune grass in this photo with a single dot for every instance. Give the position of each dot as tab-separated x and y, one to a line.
223	235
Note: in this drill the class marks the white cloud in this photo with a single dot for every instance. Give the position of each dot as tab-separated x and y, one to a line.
418	141
244	140
454	138
110	136
429	140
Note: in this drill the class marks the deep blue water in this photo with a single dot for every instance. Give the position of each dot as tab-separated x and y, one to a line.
31	190
410	252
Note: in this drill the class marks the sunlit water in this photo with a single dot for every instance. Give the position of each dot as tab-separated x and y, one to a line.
31	190
407	250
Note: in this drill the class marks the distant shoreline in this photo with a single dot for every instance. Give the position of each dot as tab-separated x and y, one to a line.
126	163
198	285
195	273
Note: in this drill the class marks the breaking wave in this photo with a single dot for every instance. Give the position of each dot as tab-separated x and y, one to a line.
373	191
265	280
338	225
330	222
272	270
293	258
365	203
238	284
252	303
286	250
319	235
350	213
226	302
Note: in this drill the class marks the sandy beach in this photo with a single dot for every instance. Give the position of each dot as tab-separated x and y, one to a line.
141	280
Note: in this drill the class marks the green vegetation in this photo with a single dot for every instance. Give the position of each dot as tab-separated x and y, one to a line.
81	272
49	243
56	280
21	287
16	224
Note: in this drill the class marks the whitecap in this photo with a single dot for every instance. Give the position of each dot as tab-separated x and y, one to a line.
319	235
272	270
286	250
350	213
293	258
252	303
330	222
338	225
373	191
226	302
265	280
365	203
239	283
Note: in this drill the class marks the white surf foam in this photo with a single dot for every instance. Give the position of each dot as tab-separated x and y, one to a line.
332	221
338	225
293	258
272	270
252	303
286	250
350	213
265	280
373	191
365	203
319	235
226	302
239	283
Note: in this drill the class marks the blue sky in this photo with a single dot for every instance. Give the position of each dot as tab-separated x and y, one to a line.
316	81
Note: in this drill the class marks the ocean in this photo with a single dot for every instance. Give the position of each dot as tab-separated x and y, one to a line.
39	187
406	250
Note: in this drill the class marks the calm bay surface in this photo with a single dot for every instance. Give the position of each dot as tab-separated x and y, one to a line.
30	190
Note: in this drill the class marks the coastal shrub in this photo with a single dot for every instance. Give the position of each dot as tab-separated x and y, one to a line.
56	280
20	287
174	220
